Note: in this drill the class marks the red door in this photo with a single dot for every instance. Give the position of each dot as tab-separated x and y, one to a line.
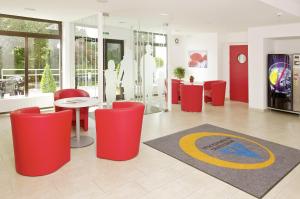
239	73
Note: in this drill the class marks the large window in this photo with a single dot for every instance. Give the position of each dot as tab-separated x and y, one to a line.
25	25
30	56
12	66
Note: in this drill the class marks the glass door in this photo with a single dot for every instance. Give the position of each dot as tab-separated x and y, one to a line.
113	56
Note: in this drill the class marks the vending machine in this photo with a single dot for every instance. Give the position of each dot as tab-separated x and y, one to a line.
280	85
296	82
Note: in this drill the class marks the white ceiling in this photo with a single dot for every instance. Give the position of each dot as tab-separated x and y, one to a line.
291	6
183	15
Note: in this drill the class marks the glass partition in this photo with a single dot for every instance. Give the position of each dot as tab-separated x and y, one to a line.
151	53
119	62
141	75
86	58
134	61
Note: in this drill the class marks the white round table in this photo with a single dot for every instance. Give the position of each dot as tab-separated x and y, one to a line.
77	103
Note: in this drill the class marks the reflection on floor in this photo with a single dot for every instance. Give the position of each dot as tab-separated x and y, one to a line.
152	174
153	109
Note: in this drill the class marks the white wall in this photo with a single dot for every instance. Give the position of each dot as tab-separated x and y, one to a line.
260	44
286	46
180	55
225	41
177	53
68	56
217	45
7	105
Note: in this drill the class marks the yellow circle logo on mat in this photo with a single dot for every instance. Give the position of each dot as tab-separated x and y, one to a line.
188	145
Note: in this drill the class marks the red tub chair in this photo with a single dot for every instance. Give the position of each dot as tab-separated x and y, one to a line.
175	91
84	112
214	92
41	141
191	97
119	130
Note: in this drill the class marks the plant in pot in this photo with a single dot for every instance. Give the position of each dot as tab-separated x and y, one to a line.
48	84
179	72
159	62
192	79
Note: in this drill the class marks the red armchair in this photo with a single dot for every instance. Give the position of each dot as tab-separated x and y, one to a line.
41	141
214	92
84	112
119	130
175	91
191	97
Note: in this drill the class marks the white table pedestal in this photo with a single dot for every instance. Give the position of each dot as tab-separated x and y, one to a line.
79	141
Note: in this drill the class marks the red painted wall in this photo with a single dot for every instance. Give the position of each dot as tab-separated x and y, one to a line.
238	74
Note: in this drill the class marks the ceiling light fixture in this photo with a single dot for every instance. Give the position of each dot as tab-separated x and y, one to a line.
164	14
105	14
279	14
30	9
102	1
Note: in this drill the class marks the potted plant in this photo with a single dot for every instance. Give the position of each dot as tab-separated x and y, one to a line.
192	79
179	72
159	62
48	84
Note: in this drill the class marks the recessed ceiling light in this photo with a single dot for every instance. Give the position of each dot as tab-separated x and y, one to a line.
164	14
279	14
102	1
105	14
30	9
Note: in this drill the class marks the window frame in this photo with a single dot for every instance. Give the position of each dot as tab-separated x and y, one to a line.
27	35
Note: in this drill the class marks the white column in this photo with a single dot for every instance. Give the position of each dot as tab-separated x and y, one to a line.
100	57
68	56
169	66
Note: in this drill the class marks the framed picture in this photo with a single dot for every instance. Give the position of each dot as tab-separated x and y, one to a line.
198	59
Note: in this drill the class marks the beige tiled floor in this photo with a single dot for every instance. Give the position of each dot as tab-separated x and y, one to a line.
152	174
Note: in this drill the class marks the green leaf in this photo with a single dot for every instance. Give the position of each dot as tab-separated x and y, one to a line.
179	72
